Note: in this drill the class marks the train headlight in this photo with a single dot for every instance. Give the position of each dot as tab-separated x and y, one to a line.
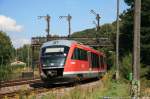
44	65
65	54
52	64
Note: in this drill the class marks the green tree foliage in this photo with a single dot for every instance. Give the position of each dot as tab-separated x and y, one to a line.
6	48
126	65
105	31
85	33
126	37
22	53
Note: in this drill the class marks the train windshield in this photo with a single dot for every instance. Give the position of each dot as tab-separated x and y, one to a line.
54	56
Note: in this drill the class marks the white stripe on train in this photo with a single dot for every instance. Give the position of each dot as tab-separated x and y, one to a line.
82	72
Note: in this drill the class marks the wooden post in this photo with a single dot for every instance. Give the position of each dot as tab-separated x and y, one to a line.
136	52
117	43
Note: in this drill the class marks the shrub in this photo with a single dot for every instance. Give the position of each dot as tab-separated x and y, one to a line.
126	66
5	72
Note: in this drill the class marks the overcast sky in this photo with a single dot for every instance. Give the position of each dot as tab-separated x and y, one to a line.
18	18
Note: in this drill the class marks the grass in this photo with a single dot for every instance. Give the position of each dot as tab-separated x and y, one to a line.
5	72
106	88
145	87
8	72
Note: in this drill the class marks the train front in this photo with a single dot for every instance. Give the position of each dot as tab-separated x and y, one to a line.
52	60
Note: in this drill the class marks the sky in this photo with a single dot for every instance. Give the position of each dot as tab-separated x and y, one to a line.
18	18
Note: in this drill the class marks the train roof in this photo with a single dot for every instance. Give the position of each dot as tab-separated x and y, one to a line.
59	42
67	43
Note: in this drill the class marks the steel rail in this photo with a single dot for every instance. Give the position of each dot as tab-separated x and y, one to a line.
18	82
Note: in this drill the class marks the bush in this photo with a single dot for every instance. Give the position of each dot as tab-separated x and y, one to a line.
126	65
8	72
5	72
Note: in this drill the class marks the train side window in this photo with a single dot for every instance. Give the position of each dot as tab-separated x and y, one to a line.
75	54
79	54
83	54
95	60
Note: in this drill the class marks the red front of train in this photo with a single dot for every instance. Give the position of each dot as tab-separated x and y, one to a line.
70	60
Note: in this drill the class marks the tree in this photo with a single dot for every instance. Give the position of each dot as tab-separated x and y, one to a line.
126	36
23	52
6	48
85	33
106	30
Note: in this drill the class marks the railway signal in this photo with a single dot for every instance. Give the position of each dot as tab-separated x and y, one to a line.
69	17
97	18
47	18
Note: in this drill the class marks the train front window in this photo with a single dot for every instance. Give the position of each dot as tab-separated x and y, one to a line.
53	61
54	56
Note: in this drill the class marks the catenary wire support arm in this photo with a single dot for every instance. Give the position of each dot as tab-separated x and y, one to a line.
47	18
97	19
69	17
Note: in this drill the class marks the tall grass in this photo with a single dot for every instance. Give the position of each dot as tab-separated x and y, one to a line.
105	88
5	72
126	66
8	72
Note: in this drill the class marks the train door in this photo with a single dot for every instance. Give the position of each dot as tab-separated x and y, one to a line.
94	61
94	64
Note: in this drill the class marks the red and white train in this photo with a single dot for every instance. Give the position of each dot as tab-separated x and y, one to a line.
70	60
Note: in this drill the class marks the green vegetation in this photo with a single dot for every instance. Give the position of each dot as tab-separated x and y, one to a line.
8	72
8	54
126	37
22	53
106	30
5	72
109	86
126	66
6	48
106	88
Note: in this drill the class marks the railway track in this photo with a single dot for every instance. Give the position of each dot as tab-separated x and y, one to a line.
37	88
19	82
12	87
36	91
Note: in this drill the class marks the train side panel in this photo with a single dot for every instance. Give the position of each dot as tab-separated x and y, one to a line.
81	68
